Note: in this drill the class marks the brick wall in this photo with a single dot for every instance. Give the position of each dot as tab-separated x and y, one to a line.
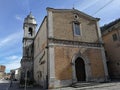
63	59
63	27
96	63
40	54
112	50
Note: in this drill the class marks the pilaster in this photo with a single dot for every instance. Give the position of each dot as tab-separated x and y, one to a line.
51	67
50	24
103	53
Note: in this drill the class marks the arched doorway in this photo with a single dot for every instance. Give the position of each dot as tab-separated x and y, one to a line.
80	69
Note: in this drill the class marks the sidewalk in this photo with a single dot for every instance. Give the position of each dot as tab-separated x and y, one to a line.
78	86
101	86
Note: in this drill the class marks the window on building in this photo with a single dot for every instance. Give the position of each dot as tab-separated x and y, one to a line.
28	74
30	31
118	63
106	53
115	37
76	27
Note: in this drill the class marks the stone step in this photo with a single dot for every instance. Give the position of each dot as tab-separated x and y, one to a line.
84	84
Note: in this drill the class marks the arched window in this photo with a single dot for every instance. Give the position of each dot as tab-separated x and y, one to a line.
30	31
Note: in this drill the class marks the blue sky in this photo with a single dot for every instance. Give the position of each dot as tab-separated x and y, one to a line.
13	12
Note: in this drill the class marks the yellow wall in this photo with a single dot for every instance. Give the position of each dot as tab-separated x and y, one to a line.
63	27
64	56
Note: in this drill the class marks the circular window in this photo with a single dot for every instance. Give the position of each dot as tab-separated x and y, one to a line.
76	16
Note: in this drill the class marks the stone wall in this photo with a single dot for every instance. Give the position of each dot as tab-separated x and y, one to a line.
63	60
112	52
61	64
97	68
2	71
63	27
40	54
2	68
61	56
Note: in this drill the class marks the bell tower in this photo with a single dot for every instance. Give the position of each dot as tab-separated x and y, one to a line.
29	27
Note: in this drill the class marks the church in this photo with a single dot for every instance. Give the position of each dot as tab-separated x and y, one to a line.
67	49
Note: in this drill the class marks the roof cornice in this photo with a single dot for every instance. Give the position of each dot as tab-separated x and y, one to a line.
74	11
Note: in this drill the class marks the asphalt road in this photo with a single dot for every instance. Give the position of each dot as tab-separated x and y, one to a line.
4	85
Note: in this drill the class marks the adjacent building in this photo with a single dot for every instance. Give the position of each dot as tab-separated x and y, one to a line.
7	76
68	48
111	38
15	73
2	71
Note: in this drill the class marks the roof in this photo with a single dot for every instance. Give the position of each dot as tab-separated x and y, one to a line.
30	15
30	19
109	25
73	10
40	27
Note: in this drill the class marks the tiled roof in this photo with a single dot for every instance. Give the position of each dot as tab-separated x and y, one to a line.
107	26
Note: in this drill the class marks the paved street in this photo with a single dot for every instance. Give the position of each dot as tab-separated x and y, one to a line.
15	86
4	85
101	86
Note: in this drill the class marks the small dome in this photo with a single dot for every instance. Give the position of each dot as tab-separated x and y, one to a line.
30	19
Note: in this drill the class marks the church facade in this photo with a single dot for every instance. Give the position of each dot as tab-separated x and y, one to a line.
68	48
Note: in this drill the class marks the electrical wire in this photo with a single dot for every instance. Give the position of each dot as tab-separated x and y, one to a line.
103	7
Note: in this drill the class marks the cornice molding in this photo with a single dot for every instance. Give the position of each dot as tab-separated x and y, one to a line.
75	43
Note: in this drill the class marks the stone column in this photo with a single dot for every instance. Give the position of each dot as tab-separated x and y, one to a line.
50	23
51	67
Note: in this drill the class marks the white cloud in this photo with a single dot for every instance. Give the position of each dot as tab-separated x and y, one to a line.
14	57
9	51
4	41
13	63
18	18
11	39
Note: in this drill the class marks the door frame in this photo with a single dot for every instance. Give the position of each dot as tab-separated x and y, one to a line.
87	67
78	67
